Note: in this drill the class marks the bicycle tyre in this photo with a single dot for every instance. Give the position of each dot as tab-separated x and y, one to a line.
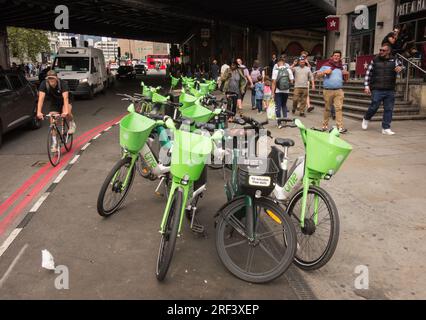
68	138
106	212
329	250
168	239
236	206
54	157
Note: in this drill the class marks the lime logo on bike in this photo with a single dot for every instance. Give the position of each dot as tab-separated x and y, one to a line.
291	183
274	216
260	181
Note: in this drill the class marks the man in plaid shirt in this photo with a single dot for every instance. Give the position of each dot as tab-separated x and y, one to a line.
380	83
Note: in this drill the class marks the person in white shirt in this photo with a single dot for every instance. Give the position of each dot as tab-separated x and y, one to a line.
282	78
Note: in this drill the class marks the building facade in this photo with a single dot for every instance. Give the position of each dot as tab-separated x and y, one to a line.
355	38
135	49
109	48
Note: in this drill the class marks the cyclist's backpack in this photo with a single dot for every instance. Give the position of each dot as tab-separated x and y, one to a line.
255	73
48	86
283	79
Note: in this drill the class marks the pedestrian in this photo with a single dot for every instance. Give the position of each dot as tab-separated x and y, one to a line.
258	89
380	83
283	56
267	92
214	70
282	77
248	78
333	74
255	72
223	69
234	84
302	76
272	63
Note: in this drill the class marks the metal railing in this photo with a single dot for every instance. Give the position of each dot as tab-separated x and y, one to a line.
407	81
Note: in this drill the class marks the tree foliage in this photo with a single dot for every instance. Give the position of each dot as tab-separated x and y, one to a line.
27	43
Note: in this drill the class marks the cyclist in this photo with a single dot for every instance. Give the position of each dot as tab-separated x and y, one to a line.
58	92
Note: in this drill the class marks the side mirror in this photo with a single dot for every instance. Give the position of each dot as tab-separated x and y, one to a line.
131	108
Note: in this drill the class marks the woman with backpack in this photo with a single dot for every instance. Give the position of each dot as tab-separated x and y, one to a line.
255	72
282	78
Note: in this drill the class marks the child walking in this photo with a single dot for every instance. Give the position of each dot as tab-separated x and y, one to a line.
258	88
267	93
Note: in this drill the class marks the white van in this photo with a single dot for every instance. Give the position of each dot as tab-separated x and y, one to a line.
83	68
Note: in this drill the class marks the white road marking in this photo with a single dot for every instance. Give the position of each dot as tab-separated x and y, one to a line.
61	175
9	240
39	202
86	146
75	159
14	262
94	138
107	129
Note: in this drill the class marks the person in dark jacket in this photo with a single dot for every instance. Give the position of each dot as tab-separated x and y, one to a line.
380	83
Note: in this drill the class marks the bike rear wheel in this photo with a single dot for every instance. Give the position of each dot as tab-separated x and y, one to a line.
53	146
269	255
316	243
168	238
113	191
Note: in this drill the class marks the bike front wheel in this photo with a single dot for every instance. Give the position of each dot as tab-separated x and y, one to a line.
53	146
316	242
68	138
269	254
168	238
115	187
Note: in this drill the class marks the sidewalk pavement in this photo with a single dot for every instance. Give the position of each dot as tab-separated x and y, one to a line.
380	195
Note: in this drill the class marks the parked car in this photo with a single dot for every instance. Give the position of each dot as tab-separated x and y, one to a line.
127	72
140	70
18	102
113	67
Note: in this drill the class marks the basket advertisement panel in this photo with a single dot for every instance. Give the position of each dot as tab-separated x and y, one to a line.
189	155
197	113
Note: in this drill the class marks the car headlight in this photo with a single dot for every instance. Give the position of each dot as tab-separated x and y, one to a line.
83	80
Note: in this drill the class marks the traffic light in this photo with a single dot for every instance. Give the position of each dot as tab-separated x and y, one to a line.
73	42
119	52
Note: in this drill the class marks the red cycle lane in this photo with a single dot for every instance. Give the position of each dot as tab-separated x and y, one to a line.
49	172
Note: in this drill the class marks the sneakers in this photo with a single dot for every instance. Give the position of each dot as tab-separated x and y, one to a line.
343	130
324	129
72	127
311	108
388	132
365	124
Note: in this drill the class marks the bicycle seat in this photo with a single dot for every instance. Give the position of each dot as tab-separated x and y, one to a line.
284	142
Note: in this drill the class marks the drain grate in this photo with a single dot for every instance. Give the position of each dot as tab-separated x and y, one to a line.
39	163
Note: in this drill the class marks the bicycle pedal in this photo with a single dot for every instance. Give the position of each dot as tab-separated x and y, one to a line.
198	228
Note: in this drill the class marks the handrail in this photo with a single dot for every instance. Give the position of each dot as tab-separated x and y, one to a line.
410	62
407	88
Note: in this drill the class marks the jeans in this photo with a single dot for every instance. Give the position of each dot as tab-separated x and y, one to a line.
281	104
388	98
253	98
259	104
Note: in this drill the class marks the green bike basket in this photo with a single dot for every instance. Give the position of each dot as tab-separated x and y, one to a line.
189	155
187	100
157	98
204	88
146	92
134	131
325	152
198	113
174	82
195	93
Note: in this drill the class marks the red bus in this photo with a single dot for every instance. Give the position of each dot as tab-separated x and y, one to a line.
157	61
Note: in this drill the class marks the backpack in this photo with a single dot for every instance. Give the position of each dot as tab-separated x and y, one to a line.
255	73
283	79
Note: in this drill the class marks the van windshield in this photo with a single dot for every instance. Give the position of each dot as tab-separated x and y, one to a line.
71	64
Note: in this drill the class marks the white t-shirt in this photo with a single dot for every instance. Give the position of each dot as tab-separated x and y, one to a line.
275	76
